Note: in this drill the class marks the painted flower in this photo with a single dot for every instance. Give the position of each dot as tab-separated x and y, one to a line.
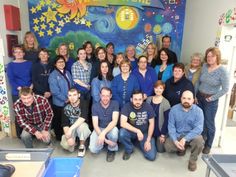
72	6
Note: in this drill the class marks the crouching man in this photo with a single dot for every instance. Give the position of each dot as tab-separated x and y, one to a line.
185	126
34	114
74	123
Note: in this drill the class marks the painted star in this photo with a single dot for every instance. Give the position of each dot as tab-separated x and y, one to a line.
58	30
54	5
33	10
41	33
36	28
36	21
88	24
82	21
38	7
61	23
67	19
48	2
51	25
49	32
61	15
76	20
43	26
42	3
50	15
42	18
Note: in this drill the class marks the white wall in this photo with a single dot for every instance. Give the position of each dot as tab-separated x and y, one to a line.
201	24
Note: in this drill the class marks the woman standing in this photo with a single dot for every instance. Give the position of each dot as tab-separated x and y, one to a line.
151	53
60	81
213	83
164	69
130	54
116	70
146	76
63	50
102	80
81	73
40	73
110	54
31	47
193	71
161	106
124	84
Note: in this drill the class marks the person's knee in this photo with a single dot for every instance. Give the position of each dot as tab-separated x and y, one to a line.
123	133
151	156
25	135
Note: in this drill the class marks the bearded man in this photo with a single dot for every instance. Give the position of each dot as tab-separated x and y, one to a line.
185	126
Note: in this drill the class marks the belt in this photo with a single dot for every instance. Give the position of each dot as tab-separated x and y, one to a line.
205	95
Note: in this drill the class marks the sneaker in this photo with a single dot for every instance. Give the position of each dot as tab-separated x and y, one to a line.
206	150
192	165
181	153
110	156
126	156
81	151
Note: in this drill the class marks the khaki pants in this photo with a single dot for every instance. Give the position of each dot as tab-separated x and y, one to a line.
196	147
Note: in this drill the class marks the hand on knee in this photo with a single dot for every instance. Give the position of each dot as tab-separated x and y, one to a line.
71	142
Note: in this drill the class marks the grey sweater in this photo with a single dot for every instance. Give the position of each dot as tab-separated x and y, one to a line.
215	83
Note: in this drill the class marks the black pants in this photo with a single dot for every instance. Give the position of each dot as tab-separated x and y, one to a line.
56	121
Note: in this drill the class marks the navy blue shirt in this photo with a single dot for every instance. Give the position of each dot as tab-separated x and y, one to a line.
139	118
104	114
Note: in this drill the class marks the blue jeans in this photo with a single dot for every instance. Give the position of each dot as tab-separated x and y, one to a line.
111	135
126	138
209	110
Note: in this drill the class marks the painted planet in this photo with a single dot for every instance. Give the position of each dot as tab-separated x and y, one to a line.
167	28
159	18
147	27
157	29
127	17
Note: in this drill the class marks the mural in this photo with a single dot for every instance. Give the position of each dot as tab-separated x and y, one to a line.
122	22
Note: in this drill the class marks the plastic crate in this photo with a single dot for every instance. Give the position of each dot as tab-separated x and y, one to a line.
63	167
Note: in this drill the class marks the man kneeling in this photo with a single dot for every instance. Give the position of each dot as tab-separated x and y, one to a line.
73	123
185	126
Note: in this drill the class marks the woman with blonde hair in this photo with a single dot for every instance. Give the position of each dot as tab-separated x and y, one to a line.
193	70
130	54
31	47
64	51
213	83
151	53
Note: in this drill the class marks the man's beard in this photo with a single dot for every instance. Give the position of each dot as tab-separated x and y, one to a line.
186	105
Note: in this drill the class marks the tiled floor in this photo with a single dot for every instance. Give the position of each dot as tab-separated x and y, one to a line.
166	165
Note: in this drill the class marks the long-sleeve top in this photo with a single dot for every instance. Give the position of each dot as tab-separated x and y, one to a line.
215	83
82	74
186	124
59	86
116	71
161	116
31	55
69	64
174	90
167	73
122	90
40	74
193	76
19	75
146	82
40	115
96	86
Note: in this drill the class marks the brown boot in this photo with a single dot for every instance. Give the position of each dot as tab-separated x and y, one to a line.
192	165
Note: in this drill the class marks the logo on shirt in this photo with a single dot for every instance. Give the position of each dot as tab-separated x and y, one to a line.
132	117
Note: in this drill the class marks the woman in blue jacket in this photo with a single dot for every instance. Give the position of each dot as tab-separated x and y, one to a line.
124	84
60	81
164	70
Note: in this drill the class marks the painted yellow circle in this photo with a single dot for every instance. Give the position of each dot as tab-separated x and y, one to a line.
127	17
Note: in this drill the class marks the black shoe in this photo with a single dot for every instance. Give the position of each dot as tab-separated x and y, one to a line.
7	170
126	156
110	156
181	153
206	150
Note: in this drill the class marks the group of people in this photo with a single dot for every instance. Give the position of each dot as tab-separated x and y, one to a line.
152	99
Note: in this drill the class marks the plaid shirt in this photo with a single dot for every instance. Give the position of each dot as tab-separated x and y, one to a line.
40	116
79	72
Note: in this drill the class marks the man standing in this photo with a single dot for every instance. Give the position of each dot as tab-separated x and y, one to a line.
137	122
105	115
166	42
73	123
34	114
185	126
